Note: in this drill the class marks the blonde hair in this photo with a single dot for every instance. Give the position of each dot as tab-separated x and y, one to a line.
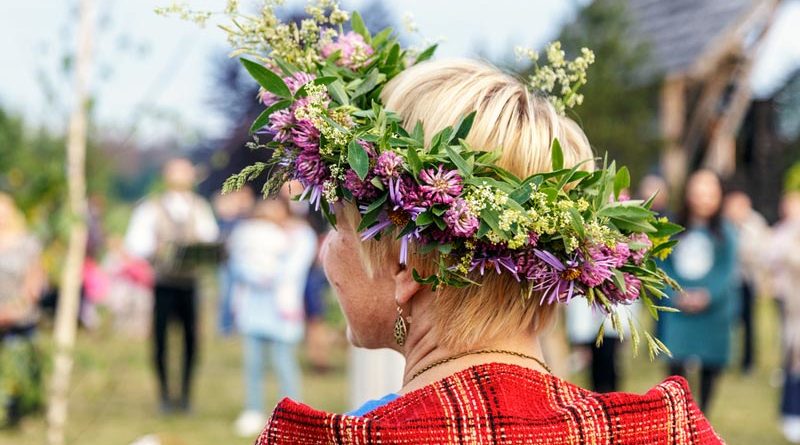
511	120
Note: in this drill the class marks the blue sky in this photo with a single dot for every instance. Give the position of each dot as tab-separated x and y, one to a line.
153	74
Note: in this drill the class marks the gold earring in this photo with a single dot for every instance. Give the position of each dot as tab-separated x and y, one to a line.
400	328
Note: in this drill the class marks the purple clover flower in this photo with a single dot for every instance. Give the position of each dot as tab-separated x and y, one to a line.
281	123
362	190
596	266
297	80
388	166
310	168
306	136
440	186
349	45
633	287
637	256
460	219
621	254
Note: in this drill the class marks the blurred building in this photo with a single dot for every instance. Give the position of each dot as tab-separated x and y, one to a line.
704	51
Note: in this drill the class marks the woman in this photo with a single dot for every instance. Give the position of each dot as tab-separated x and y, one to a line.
270	255
21	283
474	371
705	265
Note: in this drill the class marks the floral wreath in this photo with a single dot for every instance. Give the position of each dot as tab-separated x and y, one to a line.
562	234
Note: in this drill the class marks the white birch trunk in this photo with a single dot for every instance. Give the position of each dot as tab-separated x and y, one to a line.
69	297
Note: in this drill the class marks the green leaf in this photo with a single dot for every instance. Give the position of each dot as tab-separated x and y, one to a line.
337	92
330	216
358	159
263	118
433	279
577	222
664	229
370	82
491	218
427	54
414	163
619	280
424	218
377	203
461	129
359	27
557	156
419	133
621	181
267	79
523	193
460	163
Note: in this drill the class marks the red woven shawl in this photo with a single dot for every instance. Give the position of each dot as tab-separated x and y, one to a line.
504	404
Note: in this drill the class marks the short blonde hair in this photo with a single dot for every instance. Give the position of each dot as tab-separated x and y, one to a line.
509	119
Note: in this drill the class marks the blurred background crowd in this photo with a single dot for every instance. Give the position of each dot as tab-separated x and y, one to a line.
199	310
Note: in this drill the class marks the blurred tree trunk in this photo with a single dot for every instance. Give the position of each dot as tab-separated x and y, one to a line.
69	297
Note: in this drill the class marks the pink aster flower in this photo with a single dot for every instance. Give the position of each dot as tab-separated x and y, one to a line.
556	280
596	266
306	136
388	165
353	50
440	186
633	287
460	219
281	124
406	195
494	256
362	190
399	219
643	244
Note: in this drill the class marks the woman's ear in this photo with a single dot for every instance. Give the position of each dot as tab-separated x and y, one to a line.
405	286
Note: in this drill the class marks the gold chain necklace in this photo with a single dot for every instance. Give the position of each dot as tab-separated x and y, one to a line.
480	351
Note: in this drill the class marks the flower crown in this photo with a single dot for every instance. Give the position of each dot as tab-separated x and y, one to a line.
562	234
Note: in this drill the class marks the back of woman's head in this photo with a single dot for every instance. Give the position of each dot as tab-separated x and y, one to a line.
508	119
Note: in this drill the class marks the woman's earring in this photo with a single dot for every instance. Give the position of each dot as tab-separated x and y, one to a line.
400	328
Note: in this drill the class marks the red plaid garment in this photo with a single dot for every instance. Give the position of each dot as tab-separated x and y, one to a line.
504	404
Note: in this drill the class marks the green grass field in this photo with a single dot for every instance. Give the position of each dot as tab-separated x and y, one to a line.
113	393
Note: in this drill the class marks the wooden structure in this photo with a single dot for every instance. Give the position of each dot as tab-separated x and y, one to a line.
704	49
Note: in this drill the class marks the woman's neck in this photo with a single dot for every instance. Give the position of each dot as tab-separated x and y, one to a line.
422	349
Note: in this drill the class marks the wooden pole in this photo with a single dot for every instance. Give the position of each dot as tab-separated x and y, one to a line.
69	296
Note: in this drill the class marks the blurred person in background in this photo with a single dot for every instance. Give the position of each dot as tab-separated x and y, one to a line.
21	283
269	258
317	334
704	263
752	232
130	296
583	324
230	208
784	263
161	230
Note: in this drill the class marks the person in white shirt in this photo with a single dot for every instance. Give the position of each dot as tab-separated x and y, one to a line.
160	230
